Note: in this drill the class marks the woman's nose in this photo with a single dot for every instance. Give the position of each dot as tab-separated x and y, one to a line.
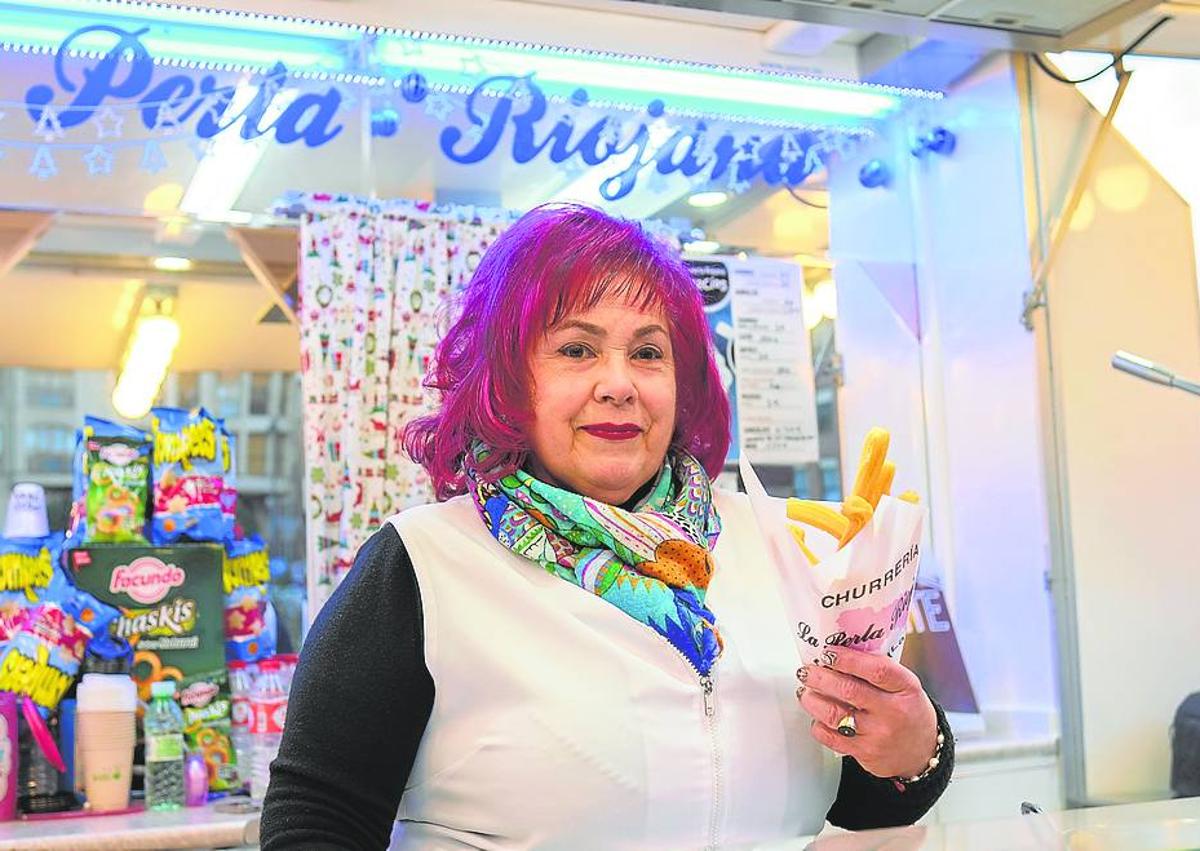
615	383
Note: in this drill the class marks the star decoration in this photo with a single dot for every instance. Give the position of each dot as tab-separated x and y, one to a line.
108	123
439	106
519	90
166	117
738	186
474	134
48	126
473	67
99	160
43	167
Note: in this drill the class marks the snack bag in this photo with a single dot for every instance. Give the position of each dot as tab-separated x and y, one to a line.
118	483
111	483
248	637
42	655
194	493
852	585
27	567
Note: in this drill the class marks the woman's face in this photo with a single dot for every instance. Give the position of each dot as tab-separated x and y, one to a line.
603	400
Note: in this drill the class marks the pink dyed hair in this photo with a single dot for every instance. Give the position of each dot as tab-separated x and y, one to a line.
554	261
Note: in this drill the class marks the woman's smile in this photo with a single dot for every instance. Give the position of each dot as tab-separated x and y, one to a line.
613	431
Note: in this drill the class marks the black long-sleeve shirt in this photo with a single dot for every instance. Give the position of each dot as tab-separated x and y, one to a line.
359	708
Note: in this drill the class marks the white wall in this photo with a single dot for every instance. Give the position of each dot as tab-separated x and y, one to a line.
961	221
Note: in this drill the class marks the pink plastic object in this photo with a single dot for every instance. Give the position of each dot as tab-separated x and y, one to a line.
9	750
41	733
195	780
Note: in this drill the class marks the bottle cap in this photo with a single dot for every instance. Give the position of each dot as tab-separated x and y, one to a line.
162	688
108	654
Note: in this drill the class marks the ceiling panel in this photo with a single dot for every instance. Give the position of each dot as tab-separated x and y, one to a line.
1058	18
59	319
1020	24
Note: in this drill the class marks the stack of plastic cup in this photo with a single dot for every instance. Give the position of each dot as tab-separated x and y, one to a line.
106	730
26	517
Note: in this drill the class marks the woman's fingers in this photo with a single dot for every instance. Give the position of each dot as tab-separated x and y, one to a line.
880	671
831	738
846	689
823	709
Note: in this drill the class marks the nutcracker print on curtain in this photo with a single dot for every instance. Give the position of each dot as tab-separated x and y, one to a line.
376	284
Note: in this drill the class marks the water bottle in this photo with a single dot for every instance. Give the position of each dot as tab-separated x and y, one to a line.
287	669
269	707
163	732
241	686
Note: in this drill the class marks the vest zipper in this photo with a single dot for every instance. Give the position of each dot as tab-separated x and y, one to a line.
710	712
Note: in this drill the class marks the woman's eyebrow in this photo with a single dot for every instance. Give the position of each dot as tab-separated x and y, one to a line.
597	331
586	327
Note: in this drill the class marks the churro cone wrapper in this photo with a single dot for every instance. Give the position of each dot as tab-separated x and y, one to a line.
855	597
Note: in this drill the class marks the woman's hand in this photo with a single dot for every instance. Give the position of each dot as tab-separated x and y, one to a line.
896	727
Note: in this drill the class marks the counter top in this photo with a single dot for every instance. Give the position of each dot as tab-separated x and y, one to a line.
1155	826
211	826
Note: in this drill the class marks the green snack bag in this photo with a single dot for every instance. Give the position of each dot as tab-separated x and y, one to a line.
117	475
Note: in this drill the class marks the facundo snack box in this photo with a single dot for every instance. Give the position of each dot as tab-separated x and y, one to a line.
172	607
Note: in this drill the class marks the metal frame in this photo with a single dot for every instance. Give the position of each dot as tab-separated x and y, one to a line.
1036	298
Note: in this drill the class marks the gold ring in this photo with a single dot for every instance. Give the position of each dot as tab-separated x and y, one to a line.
847	726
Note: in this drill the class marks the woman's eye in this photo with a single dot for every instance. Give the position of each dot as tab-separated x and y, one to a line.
575	350
648	353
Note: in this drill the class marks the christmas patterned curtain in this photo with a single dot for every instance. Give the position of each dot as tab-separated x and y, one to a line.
377	282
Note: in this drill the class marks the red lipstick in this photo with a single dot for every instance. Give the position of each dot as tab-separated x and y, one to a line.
613	431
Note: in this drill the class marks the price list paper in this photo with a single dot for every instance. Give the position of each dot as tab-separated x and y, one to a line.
777	408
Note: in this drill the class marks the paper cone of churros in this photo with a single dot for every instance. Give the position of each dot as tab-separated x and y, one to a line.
848	569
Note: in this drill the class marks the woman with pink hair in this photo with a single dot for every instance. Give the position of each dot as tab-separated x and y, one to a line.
581	644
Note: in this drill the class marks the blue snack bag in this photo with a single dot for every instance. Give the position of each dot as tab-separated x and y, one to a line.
41	657
27	566
194	493
249	635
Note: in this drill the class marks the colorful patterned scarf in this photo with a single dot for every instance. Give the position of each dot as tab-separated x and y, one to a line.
653	563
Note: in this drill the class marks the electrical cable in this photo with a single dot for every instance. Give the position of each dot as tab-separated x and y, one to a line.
805	201
1041	63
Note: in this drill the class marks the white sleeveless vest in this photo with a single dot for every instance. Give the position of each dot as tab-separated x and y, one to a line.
561	722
